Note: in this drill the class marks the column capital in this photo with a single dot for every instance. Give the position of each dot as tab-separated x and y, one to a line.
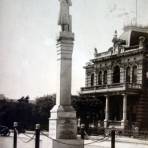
107	96
65	36
124	94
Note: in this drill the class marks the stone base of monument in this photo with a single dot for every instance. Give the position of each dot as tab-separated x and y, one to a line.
65	143
63	128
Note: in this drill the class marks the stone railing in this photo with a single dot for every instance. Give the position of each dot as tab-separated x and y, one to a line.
114	85
133	85
103	54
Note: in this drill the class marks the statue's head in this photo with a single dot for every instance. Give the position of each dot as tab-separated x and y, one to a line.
69	2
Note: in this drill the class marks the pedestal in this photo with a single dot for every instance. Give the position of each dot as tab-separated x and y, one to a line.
62	143
63	123
63	128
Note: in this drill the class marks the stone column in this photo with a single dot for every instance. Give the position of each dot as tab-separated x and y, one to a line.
64	67
109	76
106	112
63	122
124	119
95	77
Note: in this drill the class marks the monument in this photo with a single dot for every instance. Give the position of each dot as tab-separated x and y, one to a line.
63	122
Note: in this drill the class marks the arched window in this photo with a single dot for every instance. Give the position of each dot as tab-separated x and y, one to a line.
116	74
128	74
105	77
134	74
92	79
100	78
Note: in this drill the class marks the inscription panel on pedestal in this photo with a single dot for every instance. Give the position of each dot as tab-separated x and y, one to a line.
67	128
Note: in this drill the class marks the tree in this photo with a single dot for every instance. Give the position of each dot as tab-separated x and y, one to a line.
42	109
89	109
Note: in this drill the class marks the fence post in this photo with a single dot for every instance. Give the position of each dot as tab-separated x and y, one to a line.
112	138
37	136
15	125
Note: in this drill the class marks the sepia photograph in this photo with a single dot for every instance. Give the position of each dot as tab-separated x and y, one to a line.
73	74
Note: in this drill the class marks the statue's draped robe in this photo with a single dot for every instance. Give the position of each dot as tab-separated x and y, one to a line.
64	17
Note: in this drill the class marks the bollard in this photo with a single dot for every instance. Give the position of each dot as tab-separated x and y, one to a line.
15	125
37	136
113	139
82	130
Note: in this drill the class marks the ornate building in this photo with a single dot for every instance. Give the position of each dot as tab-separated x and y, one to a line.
119	78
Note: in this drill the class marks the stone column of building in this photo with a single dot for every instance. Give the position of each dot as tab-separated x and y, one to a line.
124	119
131	74
122	75
63	122
95	77
109	76
102	77
106	112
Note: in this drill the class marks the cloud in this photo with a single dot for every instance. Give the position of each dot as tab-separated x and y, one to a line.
113	8
123	14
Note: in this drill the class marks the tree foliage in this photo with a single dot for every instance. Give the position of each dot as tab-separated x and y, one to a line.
89	109
42	109
25	113
28	113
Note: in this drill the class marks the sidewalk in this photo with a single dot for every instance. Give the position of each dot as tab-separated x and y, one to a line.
121	142
91	142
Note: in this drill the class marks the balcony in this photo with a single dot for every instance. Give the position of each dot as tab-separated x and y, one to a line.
111	88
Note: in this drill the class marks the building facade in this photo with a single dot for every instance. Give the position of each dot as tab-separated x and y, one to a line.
119	78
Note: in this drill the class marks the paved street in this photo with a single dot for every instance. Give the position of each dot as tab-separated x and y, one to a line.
22	142
122	142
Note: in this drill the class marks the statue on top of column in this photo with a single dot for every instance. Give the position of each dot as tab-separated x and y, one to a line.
64	17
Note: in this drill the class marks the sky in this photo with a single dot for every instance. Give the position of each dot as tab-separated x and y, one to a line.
28	31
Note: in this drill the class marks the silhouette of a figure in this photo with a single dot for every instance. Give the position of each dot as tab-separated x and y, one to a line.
64	17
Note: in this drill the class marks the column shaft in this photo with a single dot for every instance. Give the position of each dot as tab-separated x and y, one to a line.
124	107
106	112
107	108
